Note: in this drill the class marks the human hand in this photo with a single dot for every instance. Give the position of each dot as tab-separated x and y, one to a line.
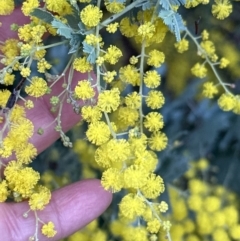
71	207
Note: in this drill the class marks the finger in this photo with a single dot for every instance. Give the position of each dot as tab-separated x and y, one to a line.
71	208
6	22
41	116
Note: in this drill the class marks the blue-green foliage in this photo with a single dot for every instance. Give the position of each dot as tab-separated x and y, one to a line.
62	29
171	18
43	15
90	51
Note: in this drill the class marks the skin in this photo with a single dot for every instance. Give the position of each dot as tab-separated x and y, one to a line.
72	207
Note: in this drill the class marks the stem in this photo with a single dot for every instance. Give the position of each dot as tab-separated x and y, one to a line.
141	85
36	229
208	60
109	125
51	45
115	16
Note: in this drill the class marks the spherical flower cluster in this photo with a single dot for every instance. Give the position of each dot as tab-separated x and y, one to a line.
25	72
120	150
135	176
109	100
91	113
112	54
22	129
131	206
153	121
43	65
152	79
163	206
133	100
37	33
205	34
24	32
26	152
226	102
4	96
127	28
7	7
126	117
48	230
84	90
153	226
29	6
221	9
112	28
40	199
208	47
22	180
223	63
10	50
91	15
109	76
155	58
98	133
37	88
182	45
158	141
209	90
8	79
3	191
114	6
61	7
199	70
155	99
133	60
153	186
146	31
82	65
130	75
93	40
112	179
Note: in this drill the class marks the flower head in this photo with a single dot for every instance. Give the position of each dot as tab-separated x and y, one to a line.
209	90
130	75
226	102
112	54
109	100
91	15
82	65
38	200
48	230
84	90
37	88
155	99
98	133
156	58
199	70
158	141
182	45
7	7
112	180
3	191
221	9
153	186
152	79
153	121
91	113
131	206
133	100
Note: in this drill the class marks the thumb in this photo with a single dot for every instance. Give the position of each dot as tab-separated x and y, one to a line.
70	209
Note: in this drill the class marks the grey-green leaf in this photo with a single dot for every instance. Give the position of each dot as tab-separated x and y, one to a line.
43	15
